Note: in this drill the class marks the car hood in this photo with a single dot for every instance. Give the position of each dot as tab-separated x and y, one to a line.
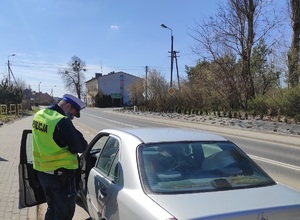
256	203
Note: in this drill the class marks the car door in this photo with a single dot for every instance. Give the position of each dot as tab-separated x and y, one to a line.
30	190
102	179
87	162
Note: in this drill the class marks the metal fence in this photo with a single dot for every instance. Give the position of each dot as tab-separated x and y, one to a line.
10	111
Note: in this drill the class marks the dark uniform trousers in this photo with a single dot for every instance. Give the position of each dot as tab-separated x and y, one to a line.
60	195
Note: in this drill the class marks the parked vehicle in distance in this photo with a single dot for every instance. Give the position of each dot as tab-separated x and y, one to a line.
169	173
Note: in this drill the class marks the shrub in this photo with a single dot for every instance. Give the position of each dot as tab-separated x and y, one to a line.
290	101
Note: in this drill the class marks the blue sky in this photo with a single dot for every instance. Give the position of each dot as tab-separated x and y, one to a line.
109	35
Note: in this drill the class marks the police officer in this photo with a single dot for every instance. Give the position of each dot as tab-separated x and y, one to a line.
56	143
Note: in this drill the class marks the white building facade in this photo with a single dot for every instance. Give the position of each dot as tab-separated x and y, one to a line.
114	84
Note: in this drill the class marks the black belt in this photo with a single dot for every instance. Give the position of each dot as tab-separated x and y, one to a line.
54	172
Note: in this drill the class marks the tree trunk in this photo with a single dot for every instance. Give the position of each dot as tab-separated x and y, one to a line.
294	69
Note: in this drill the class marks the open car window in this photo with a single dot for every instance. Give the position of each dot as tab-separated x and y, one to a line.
98	145
198	167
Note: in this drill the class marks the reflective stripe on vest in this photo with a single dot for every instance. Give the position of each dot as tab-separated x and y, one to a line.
44	166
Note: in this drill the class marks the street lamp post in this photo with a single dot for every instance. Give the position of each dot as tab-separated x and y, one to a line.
172	53
52	91
171	71
8	67
39	98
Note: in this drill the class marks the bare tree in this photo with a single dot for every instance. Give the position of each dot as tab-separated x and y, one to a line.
216	82
157	91
293	56
93	91
136	91
236	28
73	76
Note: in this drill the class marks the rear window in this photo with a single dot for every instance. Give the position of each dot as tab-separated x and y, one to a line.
197	167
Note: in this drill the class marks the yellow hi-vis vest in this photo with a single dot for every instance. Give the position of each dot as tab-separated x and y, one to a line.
47	155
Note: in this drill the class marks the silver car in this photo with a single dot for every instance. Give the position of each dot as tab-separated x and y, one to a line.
169	173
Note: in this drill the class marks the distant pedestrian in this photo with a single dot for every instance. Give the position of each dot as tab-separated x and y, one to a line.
56	144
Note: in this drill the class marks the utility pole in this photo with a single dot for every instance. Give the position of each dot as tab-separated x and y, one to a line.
172	59
175	57
146	84
9	69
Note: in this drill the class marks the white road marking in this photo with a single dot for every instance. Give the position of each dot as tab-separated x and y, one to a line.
113	121
274	162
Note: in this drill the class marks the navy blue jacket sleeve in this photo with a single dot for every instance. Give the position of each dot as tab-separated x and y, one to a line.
66	134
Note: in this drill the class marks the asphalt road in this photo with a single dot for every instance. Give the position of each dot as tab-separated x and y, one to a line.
277	154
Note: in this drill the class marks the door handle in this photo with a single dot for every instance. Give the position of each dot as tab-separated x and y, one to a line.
102	192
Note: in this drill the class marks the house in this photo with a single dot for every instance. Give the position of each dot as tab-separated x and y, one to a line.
109	90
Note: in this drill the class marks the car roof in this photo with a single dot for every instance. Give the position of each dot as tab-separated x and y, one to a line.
156	134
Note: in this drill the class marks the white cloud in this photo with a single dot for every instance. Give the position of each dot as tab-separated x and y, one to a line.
114	27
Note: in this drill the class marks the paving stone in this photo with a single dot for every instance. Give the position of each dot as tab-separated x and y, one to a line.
10	139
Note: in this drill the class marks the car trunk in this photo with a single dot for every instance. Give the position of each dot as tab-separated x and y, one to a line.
275	202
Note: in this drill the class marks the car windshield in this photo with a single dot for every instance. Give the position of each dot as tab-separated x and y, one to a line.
185	167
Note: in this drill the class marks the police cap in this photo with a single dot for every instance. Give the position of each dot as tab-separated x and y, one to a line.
76	102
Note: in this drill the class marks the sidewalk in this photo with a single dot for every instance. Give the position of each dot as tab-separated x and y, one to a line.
10	141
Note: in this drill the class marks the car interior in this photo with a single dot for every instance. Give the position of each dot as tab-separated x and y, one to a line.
197	165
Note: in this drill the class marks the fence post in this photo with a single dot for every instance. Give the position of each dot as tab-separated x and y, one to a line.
12	110
20	109
3	110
